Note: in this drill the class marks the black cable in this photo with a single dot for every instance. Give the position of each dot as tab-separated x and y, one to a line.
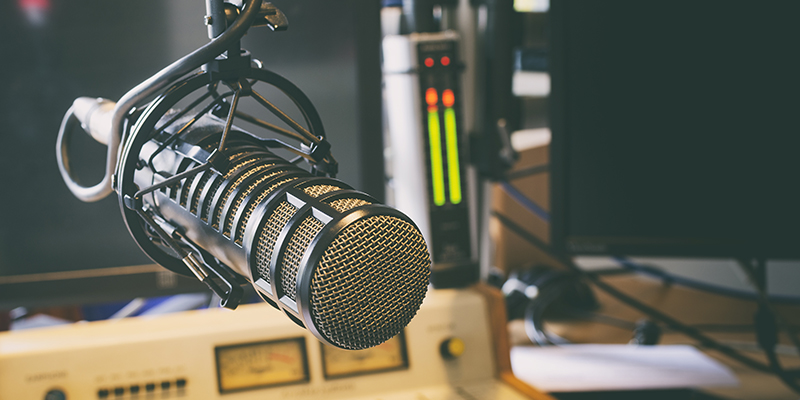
768	323
699	285
534	317
765	300
786	377
625	324
728	328
670	322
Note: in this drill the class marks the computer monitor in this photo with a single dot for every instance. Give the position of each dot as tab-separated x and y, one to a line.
675	128
55	249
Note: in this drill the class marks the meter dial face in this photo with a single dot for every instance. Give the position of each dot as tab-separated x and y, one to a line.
339	363
257	365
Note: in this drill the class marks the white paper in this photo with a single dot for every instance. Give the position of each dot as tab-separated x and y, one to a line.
580	368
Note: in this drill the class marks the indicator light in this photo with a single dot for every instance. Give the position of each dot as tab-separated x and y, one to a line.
428	62
448	98
445	61
431	97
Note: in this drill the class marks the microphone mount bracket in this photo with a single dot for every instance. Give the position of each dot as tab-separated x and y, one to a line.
218	161
269	16
229	68
222	14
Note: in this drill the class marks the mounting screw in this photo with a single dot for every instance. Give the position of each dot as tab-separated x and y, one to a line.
207	20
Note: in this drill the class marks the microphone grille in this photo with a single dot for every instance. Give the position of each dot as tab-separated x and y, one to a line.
295	249
269	236
370	282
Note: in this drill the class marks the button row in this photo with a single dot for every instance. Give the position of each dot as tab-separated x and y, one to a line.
136	389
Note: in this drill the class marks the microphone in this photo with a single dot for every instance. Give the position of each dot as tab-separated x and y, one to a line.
201	195
352	271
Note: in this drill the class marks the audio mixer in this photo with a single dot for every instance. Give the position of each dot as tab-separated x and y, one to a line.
446	352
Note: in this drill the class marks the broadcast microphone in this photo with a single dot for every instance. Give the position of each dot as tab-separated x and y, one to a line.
203	196
352	271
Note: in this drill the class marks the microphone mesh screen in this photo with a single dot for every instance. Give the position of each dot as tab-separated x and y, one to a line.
343	205
245	174
249	212
269	236
235	167
240	198
370	282
317	190
302	237
297	245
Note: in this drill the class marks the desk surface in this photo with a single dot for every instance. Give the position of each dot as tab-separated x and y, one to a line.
691	307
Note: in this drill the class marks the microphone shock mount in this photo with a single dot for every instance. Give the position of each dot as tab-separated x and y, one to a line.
205	190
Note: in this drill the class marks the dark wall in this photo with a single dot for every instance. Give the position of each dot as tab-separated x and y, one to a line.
56	50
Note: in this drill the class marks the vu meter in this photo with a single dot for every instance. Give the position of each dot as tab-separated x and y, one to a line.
388	356
248	366
428	145
263	364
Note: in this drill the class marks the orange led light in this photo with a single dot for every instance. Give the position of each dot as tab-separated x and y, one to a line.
448	98
445	61
428	62
431	97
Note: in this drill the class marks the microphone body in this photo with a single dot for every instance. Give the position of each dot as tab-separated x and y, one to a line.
352	271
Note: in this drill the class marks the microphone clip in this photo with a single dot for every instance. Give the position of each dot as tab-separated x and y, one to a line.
230	67
268	15
320	153
218	161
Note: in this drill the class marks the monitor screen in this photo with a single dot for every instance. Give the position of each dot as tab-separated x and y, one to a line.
675	128
55	248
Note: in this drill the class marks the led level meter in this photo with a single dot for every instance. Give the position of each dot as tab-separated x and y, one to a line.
422	92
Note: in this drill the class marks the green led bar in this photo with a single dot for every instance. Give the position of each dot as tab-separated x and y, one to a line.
437	169
453	167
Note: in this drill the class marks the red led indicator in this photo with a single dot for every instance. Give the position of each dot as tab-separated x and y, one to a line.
445	61
448	98
428	62
431	97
